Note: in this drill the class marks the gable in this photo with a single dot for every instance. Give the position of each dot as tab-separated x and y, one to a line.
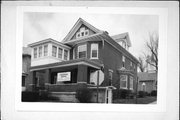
81	29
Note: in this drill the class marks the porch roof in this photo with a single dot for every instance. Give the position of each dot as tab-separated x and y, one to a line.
83	61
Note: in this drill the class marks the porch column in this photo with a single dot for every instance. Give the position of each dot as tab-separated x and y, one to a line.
82	74
31	82
47	76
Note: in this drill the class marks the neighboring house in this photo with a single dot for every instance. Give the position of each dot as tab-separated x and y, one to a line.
147	81
86	57
26	63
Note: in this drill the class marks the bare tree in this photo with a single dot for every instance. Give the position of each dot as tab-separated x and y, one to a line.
142	65
152	55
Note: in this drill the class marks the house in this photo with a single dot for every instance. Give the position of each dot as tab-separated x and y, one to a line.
26	64
86	58
147	81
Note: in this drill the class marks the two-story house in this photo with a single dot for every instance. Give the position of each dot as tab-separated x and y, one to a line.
86	57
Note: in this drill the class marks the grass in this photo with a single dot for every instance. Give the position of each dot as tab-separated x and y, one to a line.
145	100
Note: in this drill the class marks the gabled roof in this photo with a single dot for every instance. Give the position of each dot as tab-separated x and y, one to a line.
145	76
122	36
77	26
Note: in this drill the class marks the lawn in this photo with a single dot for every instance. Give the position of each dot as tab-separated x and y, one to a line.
145	100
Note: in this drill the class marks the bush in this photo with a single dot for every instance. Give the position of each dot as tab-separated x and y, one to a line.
142	94
29	96
122	94
83	95
154	93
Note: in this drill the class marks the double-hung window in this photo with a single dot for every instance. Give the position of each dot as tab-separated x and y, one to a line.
45	50
35	52
94	51
123	81
40	51
123	61
60	53
54	51
131	83
65	54
82	51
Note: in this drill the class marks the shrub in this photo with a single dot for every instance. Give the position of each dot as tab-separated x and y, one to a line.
29	96
83	95
154	93
142	94
122	94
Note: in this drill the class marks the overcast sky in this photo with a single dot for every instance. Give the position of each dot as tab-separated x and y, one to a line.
39	26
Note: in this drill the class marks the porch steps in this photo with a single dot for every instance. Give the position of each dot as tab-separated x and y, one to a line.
65	96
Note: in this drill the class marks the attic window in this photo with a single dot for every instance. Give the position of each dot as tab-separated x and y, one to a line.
82	32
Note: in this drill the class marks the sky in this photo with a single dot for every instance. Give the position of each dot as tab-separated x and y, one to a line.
40	25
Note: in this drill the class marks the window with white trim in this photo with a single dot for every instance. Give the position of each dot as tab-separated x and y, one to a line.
94	51
54	51
35	52
123	61
82	51
45	50
40	51
65	54
123	81
131	83
60	50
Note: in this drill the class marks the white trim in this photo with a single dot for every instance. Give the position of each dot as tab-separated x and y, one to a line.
124	80
97	51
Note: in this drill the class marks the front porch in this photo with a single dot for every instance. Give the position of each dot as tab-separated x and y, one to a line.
45	77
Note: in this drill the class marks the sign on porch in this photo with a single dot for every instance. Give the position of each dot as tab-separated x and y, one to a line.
64	76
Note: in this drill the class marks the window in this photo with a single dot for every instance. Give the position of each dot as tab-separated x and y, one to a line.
94	50
54	51
45	50
82	51
35	52
40	51
110	76
82	32
65	54
143	86
131	83
123	61
123	81
60	53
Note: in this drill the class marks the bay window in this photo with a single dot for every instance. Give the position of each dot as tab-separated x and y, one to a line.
131	83
123	81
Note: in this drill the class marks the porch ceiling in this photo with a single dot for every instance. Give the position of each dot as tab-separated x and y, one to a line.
69	63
